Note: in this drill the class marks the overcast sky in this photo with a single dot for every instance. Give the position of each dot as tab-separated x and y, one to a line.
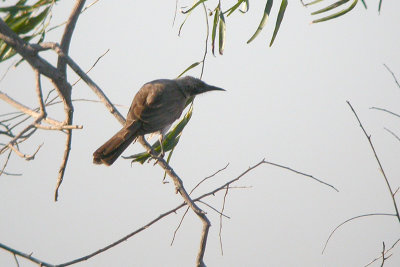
286	103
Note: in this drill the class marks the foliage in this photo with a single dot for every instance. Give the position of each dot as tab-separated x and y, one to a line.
28	21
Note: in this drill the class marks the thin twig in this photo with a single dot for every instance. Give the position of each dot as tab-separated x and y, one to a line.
179	226
385	110
214	209
304	174
386	252
95	88
392	133
220	220
208	177
40	95
27	110
5	163
353	218
206	44
394	76
378	161
63	166
16	260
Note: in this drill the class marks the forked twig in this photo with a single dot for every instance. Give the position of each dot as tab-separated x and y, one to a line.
378	161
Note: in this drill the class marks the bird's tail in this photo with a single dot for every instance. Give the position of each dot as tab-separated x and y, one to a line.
113	148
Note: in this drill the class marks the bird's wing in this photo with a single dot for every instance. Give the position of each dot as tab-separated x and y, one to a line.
157	105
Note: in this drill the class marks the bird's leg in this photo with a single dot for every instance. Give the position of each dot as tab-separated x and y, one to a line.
161	140
162	153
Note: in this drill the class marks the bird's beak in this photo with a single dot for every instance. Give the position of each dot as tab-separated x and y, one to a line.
213	88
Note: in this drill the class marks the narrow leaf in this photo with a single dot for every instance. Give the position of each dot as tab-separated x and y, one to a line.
245	7
33	22
222	31
233	8
338	14
264	19
194	6
214	29
189	68
379	7
365	4
330	7
312	3
281	13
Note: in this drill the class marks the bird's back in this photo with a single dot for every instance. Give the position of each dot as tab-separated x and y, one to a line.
157	105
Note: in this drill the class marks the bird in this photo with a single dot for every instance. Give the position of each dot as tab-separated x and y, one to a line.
153	110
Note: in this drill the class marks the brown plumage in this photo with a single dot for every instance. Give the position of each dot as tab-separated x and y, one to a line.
154	108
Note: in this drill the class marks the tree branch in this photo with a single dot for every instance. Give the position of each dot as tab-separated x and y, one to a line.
378	161
67	36
181	189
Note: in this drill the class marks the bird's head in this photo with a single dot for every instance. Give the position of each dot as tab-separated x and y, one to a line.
193	86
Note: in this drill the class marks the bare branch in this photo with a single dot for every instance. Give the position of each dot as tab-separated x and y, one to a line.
179	226
385	110
16	260
67	36
96	89
214	209
208	177
63	166
392	133
220	220
353	218
181	189
26	256
40	95
378	161
28	111
304	174
206	44
172	211
26	157
384	252
394	76
5	164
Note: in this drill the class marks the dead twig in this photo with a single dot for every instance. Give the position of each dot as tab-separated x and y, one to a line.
378	161
351	219
394	76
383	253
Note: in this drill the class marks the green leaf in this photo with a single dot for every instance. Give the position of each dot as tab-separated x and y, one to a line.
379	7
281	13
214	29
233	8
245	7
312	3
189	68
264	19
16	22
194	6
365	4
33	22
222	32
330	7
338	14
16	8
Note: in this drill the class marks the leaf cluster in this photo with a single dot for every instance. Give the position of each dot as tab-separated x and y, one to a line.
28	21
